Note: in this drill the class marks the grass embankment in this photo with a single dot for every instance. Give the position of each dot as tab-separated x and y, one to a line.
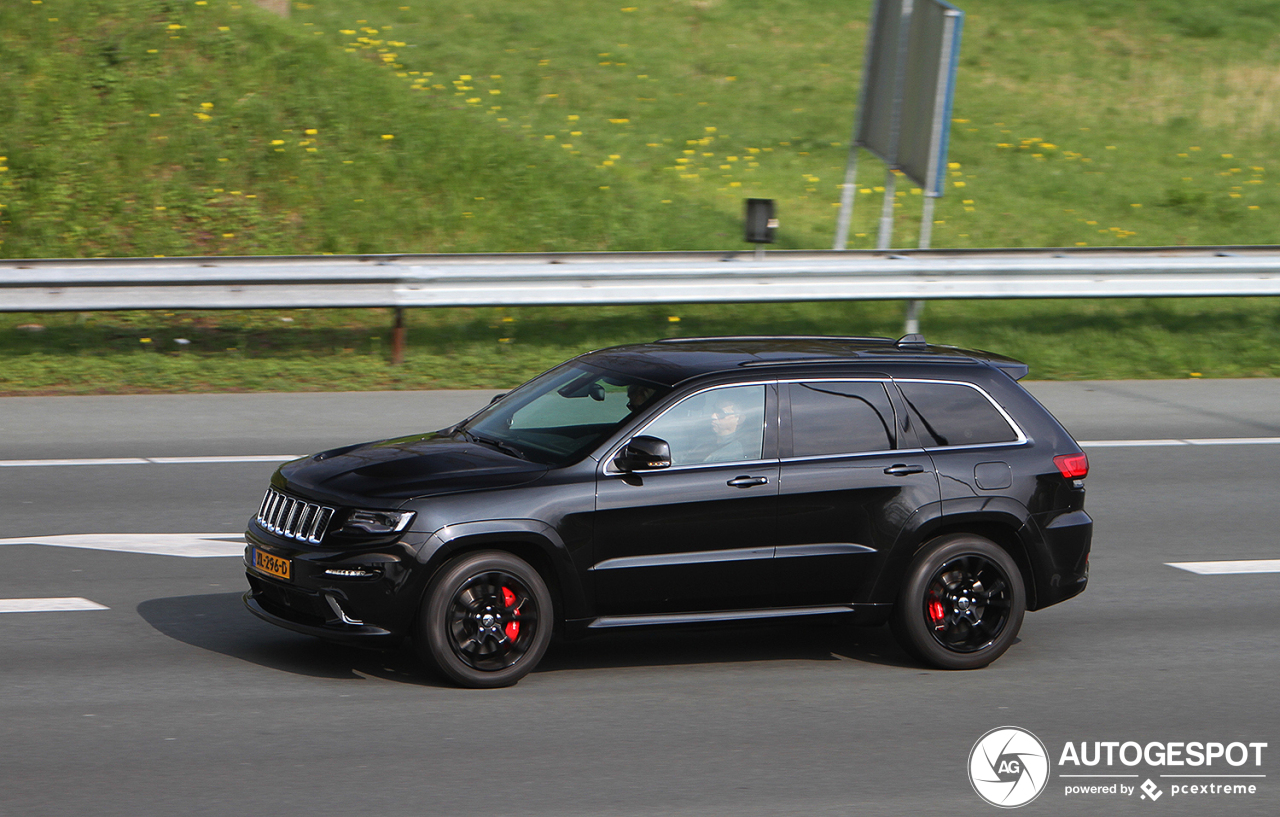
143	127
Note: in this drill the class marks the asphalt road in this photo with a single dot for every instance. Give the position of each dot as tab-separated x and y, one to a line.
174	700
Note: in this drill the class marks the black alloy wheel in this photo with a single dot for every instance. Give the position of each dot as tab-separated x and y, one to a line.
486	620
962	603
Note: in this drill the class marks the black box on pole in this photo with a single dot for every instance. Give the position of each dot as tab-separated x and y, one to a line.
761	222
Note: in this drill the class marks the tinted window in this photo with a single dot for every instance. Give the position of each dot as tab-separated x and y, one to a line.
840	418
952	414
721	425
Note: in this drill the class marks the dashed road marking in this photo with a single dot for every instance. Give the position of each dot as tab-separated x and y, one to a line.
1227	568
1180	442
247	458
191	545
61	605
149	460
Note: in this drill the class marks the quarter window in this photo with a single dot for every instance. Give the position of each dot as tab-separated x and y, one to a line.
840	418
721	425
954	414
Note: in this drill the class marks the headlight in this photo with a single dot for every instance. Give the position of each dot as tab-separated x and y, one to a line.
377	522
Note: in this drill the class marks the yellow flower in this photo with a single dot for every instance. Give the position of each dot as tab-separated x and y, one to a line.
310	131
388	136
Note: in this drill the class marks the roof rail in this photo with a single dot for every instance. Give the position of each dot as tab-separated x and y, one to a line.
865	357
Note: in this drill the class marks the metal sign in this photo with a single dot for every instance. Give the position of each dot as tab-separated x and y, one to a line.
904	110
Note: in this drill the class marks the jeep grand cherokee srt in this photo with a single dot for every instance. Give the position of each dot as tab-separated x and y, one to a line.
688	481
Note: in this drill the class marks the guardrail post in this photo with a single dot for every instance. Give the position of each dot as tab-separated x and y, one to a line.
397	338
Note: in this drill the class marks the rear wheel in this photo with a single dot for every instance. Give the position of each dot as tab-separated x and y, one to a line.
486	619
961	603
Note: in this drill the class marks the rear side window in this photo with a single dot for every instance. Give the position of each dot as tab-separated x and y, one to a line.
840	418
954	414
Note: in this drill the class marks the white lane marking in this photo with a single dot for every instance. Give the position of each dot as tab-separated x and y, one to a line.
191	545
1227	568
48	605
205	460
1156	443
150	460
1177	442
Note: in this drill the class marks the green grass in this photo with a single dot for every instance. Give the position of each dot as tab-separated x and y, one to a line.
167	127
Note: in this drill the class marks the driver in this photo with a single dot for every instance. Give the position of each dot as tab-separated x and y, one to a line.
726	417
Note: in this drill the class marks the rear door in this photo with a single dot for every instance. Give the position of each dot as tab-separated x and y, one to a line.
851	479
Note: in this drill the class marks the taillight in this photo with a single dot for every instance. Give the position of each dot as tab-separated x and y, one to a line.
1072	466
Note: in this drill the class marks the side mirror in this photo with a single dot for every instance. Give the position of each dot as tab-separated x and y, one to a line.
644	454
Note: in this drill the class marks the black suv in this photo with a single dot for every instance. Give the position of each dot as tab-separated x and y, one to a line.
686	481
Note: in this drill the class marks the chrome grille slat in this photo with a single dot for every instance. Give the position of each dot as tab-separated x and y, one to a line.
293	518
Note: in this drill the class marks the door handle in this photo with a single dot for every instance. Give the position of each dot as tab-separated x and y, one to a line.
904	470
747	482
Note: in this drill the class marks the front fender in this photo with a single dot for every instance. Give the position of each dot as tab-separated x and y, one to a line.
532	540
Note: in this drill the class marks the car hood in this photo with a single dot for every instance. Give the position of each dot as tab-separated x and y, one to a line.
390	471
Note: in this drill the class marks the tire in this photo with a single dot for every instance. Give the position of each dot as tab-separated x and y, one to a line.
961	604
486	620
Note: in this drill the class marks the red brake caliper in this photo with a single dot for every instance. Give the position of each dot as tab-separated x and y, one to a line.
936	612
513	627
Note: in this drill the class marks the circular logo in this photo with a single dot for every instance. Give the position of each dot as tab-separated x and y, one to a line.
1008	767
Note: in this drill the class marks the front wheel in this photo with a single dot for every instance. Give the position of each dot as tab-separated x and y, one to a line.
961	603
486	620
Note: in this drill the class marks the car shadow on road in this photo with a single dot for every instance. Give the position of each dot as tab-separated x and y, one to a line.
219	622
798	640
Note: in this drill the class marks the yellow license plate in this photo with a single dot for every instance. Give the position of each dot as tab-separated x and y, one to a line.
273	565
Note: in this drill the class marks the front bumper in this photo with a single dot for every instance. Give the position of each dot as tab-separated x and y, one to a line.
260	604
358	596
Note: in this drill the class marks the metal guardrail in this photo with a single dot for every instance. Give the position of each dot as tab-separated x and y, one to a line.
403	281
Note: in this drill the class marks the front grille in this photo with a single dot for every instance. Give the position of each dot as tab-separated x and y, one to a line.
293	518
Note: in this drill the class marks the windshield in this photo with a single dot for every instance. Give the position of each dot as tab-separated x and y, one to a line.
558	417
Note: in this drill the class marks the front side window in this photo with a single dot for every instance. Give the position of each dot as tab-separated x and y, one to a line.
954	414
720	425
840	418
560	415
